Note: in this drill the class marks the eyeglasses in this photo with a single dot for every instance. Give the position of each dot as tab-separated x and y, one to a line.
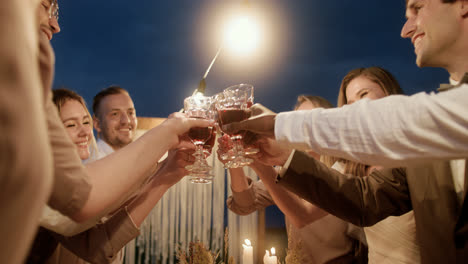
54	10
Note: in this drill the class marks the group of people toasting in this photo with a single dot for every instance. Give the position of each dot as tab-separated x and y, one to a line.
393	164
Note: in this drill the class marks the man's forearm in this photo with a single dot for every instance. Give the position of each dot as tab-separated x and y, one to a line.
396	131
298	211
362	201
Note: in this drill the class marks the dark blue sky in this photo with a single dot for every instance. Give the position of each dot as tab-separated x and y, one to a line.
159	50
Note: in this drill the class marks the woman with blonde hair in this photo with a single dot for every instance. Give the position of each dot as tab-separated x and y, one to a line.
314	236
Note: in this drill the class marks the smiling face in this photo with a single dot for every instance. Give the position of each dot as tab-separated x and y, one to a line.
78	125
48	23
116	122
434	29
362	87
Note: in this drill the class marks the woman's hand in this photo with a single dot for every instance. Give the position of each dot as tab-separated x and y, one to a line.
178	124
225	148
173	167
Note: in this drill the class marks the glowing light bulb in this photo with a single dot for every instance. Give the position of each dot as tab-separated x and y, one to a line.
242	35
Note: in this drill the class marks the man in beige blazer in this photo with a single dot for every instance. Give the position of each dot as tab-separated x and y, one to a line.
440	220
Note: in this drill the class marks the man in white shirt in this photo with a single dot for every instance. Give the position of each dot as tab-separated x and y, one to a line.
427	133
114	119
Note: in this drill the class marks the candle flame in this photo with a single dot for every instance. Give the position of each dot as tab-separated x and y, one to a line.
273	251
247	242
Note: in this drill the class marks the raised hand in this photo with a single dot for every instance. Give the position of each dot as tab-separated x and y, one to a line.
225	145
173	167
179	124
271	152
261	122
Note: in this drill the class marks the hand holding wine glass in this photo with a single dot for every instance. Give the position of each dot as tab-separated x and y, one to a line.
199	107
262	122
231	106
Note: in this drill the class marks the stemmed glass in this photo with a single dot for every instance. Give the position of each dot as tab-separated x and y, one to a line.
199	106
231	106
249	90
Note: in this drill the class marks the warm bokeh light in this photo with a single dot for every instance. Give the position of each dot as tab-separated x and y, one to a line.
253	40
273	251
247	242
242	35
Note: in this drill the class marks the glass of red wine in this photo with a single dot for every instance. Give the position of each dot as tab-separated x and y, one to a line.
249	90
231	107
199	106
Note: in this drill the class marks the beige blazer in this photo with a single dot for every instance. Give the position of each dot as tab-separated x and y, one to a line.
441	223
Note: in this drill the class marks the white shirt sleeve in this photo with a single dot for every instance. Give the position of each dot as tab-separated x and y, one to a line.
393	131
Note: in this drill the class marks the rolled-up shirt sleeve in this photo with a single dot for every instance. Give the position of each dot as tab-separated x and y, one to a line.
101	243
255	197
362	201
393	131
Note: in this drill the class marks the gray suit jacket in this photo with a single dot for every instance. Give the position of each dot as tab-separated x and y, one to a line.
442	225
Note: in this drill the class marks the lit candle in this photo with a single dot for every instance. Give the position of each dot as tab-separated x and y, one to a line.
270	259
247	255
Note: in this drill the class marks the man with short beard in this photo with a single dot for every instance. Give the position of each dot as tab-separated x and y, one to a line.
114	119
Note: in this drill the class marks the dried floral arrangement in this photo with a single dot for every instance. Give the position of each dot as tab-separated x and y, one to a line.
199	254
294	254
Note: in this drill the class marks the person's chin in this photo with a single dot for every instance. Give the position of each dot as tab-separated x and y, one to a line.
125	140
422	62
84	156
420	59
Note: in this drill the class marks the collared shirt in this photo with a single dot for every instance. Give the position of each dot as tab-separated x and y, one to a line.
104	149
395	131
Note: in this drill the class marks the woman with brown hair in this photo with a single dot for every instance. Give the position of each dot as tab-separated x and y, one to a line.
77	121
392	240
108	236
375	83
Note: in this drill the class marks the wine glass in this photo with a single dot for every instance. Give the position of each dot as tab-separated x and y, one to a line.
199	106
249	90
231	106
229	154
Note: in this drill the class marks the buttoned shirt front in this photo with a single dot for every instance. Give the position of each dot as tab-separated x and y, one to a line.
104	149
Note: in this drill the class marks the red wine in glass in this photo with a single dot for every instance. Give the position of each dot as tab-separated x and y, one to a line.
200	135
230	115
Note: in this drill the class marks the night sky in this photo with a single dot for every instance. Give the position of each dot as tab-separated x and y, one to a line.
159	50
